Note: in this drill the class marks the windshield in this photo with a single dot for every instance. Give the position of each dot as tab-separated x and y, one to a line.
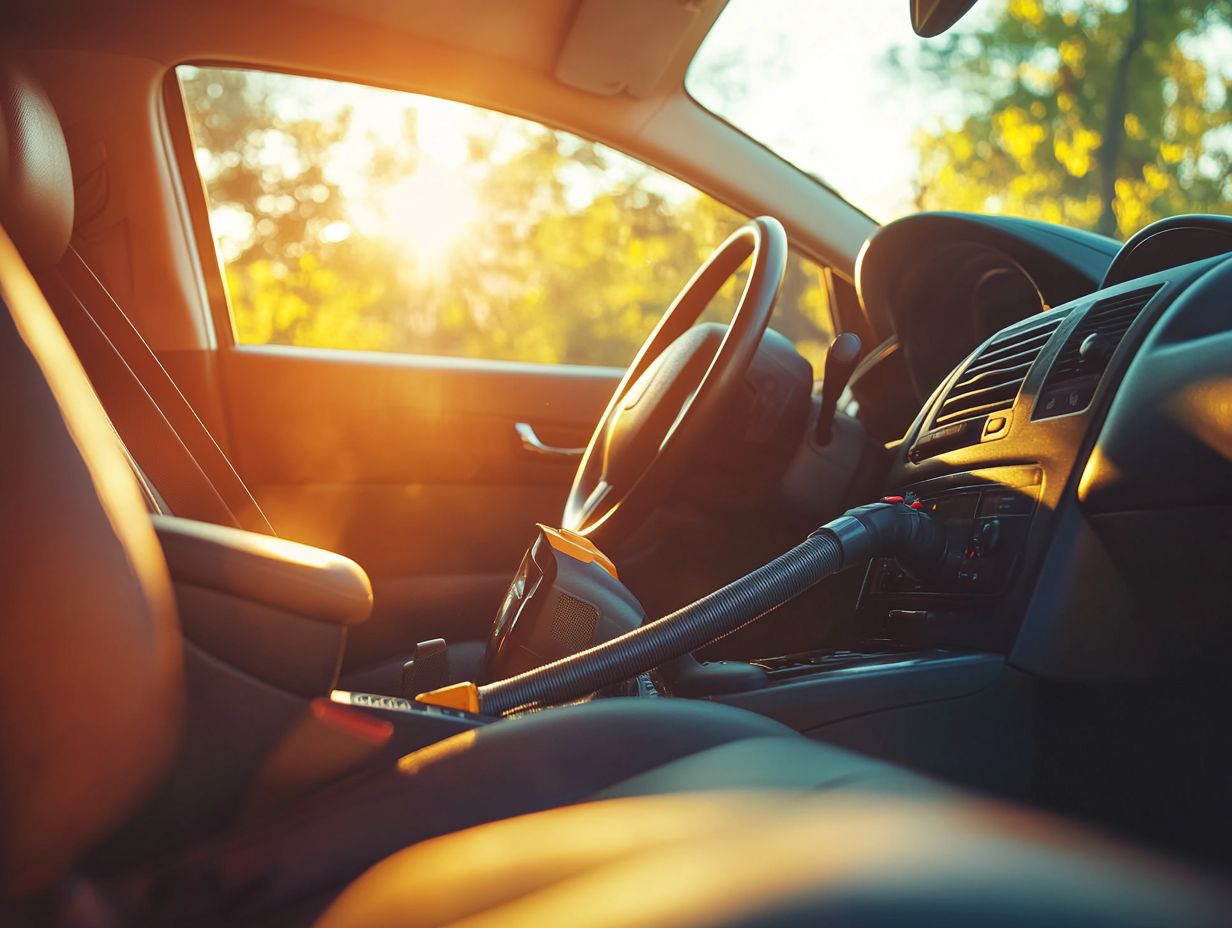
1102	115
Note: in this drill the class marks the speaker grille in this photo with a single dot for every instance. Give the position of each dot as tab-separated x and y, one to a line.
573	622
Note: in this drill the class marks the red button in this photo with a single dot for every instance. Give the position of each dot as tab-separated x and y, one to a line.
917	505
891	499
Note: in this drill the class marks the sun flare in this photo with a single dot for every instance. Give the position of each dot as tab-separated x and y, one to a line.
429	212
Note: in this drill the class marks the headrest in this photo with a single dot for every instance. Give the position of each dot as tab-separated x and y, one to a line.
36	181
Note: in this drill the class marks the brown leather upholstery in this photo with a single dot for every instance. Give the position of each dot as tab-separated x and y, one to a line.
91	690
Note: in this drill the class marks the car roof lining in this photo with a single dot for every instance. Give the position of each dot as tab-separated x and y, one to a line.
649	42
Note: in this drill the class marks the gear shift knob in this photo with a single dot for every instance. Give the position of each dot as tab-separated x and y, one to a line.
841	360
428	668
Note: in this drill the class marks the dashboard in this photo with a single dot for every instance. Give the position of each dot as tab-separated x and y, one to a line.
1078	455
940	283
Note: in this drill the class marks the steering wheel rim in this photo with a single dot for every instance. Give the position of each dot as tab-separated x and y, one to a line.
599	507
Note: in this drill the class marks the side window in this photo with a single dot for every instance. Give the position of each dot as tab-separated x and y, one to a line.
352	217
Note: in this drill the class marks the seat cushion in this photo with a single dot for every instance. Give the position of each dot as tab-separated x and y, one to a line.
857	858
615	747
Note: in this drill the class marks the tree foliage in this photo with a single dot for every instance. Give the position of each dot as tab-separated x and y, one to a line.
574	253
1100	115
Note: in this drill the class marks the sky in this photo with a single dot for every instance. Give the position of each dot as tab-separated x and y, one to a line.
821	94
812	83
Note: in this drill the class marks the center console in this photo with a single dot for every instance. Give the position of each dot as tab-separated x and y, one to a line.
988	516
920	672
998	456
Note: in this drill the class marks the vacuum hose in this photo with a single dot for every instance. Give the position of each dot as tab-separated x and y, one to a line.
887	529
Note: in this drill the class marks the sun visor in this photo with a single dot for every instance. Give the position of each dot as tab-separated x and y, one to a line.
625	46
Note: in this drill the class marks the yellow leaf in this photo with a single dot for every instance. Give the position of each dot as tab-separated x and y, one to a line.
1028	11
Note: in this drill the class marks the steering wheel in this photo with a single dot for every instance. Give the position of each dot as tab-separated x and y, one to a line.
677	390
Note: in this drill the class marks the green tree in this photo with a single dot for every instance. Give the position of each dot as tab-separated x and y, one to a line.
544	276
1101	115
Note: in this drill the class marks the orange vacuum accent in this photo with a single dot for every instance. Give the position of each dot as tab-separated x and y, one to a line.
578	547
464	696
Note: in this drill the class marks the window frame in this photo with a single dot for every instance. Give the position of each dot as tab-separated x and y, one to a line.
196	199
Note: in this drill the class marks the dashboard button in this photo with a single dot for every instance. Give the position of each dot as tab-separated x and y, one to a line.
989	535
996	426
1061	401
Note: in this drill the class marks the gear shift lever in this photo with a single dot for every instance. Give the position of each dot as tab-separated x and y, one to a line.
841	361
428	668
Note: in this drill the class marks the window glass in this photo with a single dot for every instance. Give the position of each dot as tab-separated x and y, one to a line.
351	217
1100	114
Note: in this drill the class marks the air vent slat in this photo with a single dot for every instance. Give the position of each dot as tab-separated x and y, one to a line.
1110	318
1025	356
975	412
998	349
1071	382
985	389
987	377
991	382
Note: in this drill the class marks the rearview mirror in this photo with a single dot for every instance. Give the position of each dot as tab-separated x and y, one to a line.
933	17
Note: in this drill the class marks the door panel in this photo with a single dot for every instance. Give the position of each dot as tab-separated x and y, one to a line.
412	467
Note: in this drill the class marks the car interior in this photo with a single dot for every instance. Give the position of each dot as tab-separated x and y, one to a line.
914	615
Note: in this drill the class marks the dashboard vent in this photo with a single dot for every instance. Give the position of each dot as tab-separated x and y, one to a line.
1071	382
990	383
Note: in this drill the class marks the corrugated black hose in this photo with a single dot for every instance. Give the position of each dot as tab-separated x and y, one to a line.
876	530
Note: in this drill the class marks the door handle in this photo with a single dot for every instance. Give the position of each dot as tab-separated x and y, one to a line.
532	443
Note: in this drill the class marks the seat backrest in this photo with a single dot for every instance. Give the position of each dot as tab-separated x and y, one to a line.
91	690
170	443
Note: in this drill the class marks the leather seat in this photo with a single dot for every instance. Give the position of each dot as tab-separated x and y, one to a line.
91	693
759	859
607	749
91	709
